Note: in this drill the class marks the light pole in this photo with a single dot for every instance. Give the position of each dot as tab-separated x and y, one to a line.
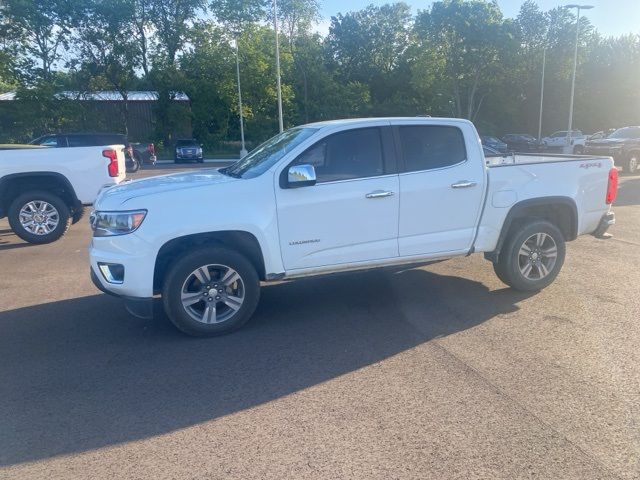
575	66
243	150
275	26
544	61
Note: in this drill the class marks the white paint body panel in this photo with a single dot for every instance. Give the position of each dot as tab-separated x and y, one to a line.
332	226
84	167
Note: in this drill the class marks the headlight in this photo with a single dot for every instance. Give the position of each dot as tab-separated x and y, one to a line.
106	224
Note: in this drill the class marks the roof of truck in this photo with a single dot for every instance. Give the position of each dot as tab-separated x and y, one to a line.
350	121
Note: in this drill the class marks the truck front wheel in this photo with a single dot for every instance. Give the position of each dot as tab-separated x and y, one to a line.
211	291
532	256
39	217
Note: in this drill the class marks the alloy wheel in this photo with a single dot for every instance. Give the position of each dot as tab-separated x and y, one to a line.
537	256
39	217
212	294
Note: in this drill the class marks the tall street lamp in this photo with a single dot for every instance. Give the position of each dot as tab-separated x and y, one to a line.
275	26
243	150
575	66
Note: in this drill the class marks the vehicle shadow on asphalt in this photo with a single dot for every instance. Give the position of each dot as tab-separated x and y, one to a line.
628	194
82	374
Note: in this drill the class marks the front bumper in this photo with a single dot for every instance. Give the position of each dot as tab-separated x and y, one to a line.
136	306
607	220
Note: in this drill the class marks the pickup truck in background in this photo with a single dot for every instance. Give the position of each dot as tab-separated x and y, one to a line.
338	196
557	141
623	145
44	190
136	154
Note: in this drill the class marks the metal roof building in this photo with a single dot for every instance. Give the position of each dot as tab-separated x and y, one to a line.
105	111
107	96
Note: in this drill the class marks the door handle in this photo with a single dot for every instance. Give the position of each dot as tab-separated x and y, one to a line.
379	194
463	184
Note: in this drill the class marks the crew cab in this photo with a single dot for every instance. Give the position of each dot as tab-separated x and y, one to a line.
623	145
44	190
338	196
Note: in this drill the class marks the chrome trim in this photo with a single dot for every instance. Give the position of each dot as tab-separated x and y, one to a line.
105	270
301	174
464	184
379	194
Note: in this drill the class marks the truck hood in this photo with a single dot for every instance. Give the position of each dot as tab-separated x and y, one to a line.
115	197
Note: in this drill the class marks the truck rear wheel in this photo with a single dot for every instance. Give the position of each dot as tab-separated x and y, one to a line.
532	256
39	217
211	291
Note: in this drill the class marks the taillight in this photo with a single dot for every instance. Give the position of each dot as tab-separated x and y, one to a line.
112	168
151	148
612	186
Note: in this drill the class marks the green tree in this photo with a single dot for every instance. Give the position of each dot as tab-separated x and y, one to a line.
468	38
107	49
40	34
370	47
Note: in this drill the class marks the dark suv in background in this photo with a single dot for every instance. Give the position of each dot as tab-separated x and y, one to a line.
522	142
623	145
188	149
135	154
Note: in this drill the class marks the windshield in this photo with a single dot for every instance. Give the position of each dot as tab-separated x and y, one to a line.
627	132
267	154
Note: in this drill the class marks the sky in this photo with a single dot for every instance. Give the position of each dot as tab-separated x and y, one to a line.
610	17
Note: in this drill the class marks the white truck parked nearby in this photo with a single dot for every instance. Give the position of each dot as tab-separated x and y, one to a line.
337	196
44	190
559	140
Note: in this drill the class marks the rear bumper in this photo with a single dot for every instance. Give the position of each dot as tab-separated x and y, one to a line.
607	220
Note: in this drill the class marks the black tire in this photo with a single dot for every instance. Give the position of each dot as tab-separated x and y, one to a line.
136	163
632	163
182	270
77	215
508	268
64	216
201	160
578	150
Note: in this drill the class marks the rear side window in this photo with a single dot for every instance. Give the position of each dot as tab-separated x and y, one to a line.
346	155
425	147
80	141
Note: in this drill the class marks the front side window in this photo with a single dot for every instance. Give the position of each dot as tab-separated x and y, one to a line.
82	141
425	147
346	155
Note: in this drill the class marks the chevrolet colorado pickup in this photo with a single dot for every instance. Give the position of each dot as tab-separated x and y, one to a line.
44	190
338	196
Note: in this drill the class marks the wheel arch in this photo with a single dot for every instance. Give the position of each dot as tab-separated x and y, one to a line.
243	242
561	211
15	184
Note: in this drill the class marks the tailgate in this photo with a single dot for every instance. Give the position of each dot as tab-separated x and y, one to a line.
122	167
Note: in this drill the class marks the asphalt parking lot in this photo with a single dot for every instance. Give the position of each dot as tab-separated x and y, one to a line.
438	372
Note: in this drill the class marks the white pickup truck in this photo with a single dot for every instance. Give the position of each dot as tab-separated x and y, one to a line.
44	190
559	140
337	196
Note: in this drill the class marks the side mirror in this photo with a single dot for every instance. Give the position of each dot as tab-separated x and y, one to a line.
301	176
